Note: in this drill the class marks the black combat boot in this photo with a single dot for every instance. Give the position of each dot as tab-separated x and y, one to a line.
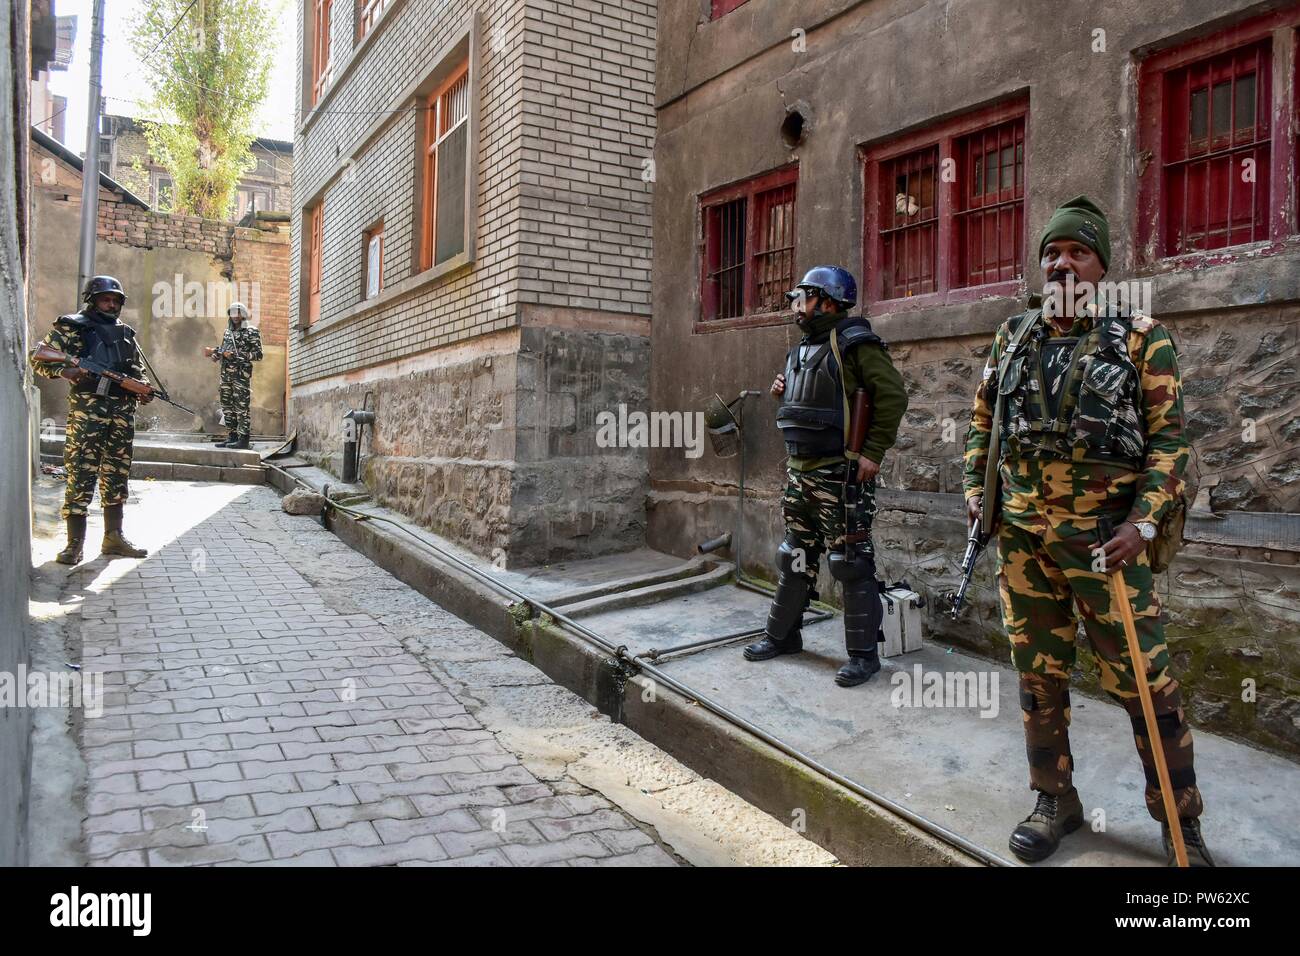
114	541
76	538
241	441
1198	855
1040	833
793	591
230	440
862	617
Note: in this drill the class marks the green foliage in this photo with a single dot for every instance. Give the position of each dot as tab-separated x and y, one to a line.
209	76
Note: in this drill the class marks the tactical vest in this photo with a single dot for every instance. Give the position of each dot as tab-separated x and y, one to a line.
812	412
111	345
1098	418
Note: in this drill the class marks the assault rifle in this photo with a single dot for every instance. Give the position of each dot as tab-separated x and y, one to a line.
990	504
858	420
48	353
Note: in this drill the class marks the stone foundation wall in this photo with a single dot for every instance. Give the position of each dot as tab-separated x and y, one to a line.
494	447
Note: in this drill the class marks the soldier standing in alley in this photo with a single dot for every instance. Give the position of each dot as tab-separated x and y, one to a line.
1093	460
837	356
100	433
241	346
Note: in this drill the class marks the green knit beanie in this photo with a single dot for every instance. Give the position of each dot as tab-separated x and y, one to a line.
1080	219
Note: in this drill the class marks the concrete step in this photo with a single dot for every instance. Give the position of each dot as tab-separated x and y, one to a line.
179	471
180	453
651	594
687	569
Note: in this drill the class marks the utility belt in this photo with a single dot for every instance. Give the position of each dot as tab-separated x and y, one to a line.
1052	446
807	443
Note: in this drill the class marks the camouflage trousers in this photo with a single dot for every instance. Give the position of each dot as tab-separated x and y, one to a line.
1047	584
813	509
235	396
97	448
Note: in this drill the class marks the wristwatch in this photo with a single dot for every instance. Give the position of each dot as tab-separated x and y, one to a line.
1145	528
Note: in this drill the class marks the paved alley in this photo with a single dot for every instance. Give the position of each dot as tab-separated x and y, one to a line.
272	697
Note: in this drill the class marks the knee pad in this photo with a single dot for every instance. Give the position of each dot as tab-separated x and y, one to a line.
852	568
790	549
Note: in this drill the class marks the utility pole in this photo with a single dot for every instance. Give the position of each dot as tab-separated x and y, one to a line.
90	165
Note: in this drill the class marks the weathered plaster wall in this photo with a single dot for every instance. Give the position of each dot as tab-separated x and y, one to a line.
147	251
15	463
870	72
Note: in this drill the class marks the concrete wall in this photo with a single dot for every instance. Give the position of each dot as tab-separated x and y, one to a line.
15	437
147	251
868	72
554	295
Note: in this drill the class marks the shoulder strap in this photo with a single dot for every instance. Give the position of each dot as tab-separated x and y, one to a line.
1028	321
844	392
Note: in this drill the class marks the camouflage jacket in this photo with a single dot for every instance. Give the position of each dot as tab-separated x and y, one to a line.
69	338
1043	493
246	341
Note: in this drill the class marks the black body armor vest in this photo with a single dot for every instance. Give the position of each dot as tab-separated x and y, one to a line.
812	412
108	344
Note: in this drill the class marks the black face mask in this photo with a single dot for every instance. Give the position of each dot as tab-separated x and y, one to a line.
818	322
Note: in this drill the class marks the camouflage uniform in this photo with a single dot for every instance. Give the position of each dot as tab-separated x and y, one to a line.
813	508
1121	458
814	420
98	442
237	375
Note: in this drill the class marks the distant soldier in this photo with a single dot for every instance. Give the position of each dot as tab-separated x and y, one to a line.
837	356
98	442
1092	437
240	347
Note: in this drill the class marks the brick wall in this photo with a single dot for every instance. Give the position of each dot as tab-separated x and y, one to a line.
566	125
487	380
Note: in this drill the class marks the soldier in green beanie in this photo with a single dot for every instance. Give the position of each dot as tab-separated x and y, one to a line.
1093	457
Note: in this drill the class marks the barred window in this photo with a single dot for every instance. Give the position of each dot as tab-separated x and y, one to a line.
945	209
749	246
1217	141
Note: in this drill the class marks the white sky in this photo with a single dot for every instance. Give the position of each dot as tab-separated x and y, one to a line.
124	81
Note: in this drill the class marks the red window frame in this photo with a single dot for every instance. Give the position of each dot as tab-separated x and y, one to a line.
721	8
322	49
958	223
747	260
315	232
446	109
1260	214
367	12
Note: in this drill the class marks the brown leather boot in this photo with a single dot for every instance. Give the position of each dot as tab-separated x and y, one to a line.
114	541
76	539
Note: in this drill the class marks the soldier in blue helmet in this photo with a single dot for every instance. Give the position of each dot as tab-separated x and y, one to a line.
837	355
